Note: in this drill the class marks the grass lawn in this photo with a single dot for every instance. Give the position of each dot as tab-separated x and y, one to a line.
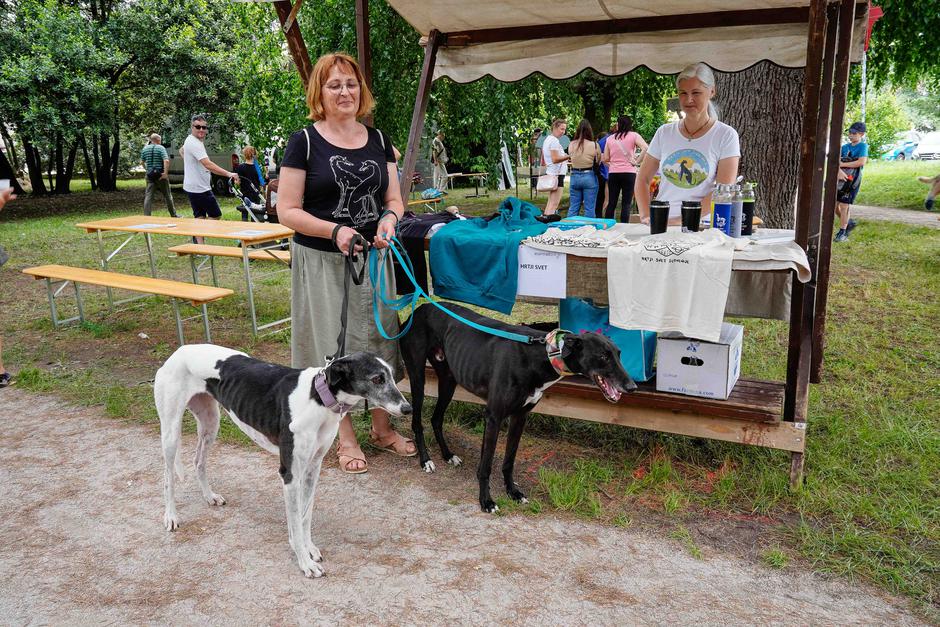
895	184
871	504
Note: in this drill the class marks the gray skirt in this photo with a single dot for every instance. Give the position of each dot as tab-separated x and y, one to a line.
316	306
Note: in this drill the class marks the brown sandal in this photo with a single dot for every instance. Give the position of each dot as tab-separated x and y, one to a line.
393	442
345	459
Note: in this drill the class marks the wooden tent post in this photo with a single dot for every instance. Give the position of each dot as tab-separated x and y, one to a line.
801	310
417	116
295	41
840	86
364	48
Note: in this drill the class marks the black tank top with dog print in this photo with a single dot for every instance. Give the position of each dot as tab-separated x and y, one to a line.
344	185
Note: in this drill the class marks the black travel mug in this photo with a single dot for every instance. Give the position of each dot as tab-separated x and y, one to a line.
691	215
659	216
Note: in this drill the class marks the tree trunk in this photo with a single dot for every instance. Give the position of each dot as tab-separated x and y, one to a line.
749	101
34	165
49	165
7	172
89	169
64	179
106	180
11	149
598	94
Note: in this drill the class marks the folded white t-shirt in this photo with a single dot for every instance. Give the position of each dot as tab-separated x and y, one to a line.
671	282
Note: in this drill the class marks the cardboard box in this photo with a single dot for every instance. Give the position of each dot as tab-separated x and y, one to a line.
699	368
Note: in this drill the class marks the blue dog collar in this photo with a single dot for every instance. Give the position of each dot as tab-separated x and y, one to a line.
329	401
554	344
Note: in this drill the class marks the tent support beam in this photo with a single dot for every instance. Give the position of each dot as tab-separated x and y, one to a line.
748	17
796	397
364	48
840	87
295	40
417	116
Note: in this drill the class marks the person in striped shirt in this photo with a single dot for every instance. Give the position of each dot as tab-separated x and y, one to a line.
157	164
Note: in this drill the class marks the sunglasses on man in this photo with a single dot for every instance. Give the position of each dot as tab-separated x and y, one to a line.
200	127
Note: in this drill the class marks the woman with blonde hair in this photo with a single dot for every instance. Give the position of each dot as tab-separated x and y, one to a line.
556	163
338	179
692	154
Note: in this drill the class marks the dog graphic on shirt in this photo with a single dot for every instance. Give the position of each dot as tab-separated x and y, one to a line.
357	188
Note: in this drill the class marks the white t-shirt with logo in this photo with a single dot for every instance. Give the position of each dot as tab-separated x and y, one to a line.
687	168
552	143
196	178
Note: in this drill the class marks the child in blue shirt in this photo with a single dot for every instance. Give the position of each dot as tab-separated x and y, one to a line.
854	157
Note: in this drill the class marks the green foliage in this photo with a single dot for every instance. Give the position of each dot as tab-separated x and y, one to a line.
884	118
922	107
904	48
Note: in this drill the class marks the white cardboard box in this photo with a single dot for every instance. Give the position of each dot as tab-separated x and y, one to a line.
699	368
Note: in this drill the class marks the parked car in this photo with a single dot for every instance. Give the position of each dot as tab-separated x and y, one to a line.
929	147
900	151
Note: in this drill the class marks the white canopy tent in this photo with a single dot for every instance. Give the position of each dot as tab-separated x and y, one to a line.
612	37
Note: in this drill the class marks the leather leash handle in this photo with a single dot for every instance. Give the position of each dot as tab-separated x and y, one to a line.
351	273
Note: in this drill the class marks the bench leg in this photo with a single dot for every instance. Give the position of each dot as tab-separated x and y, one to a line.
153	265
179	322
215	277
55	314
104	267
205	323
251	294
796	470
78	300
192	265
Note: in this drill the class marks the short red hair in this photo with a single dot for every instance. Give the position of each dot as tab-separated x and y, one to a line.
319	76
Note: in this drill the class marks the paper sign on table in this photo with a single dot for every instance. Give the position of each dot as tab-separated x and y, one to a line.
542	273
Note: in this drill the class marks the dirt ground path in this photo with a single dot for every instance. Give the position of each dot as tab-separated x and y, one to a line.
83	543
889	214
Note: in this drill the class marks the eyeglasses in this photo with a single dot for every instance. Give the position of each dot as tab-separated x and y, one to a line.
199	127
338	89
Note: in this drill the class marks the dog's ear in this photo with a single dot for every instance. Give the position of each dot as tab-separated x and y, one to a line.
572	345
337	373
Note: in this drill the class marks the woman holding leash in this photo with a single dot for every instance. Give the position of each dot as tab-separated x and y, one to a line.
693	154
339	180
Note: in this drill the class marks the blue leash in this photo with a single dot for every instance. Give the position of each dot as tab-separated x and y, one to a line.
377	259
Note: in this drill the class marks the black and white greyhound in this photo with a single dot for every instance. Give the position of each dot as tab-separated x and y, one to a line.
510	376
289	412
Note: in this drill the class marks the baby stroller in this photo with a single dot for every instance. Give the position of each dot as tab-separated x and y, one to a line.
250	210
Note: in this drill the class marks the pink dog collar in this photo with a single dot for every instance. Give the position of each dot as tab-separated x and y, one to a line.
326	397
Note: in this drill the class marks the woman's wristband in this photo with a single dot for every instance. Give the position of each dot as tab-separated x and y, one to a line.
335	233
389	212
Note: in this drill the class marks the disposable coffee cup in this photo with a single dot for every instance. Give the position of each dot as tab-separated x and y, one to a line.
691	216
4	183
659	216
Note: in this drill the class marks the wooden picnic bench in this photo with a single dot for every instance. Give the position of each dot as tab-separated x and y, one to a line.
197	295
210	252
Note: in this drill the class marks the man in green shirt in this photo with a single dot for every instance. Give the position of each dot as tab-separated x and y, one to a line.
157	164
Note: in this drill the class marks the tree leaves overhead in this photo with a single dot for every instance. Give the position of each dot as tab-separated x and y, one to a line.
904	48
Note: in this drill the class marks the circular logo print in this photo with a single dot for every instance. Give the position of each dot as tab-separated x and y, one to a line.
685	168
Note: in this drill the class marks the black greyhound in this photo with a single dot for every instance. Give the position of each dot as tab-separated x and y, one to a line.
510	376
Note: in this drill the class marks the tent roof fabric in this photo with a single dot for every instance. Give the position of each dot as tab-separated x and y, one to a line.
726	48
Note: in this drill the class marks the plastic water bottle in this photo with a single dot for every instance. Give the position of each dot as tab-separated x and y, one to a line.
747	210
722	218
737	208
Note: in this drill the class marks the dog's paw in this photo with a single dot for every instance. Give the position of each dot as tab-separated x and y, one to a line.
454	460
428	466
171	521
314	552
517	495
215	499
311	569
489	506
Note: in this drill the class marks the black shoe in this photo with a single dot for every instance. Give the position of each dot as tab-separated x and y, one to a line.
928	204
842	236
5	380
851	225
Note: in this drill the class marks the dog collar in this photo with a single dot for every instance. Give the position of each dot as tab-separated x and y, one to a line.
326	397
554	343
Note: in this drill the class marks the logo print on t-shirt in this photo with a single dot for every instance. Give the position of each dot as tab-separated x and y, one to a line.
669	247
357	189
685	168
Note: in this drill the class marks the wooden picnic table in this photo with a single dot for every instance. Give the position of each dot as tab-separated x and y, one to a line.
477	177
244	233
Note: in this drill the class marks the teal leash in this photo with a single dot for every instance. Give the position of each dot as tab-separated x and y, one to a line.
377	260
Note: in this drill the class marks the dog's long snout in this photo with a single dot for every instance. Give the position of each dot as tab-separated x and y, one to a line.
406	409
630	386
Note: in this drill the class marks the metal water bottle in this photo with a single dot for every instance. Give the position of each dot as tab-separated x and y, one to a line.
747	209
737	208
722	217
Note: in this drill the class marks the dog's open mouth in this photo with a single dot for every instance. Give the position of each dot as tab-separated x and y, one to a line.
611	393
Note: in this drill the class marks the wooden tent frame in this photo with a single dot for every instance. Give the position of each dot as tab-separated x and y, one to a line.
830	26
